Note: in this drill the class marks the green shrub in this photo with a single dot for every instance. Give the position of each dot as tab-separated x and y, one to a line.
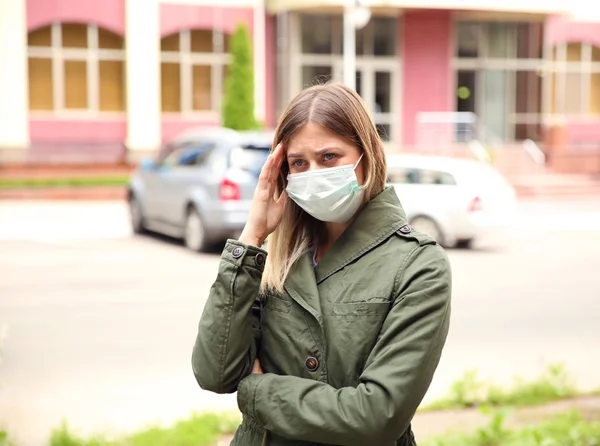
198	430
553	384
569	429
238	101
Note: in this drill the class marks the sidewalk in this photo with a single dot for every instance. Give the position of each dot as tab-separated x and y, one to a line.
432	424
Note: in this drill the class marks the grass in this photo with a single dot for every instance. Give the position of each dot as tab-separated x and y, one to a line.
4	440
554	384
199	430
28	183
568	429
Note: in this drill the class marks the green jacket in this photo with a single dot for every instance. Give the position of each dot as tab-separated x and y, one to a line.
349	350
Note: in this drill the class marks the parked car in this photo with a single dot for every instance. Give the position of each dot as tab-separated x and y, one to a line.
459	202
200	186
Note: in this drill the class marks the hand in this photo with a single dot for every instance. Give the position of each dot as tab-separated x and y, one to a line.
256	368
265	212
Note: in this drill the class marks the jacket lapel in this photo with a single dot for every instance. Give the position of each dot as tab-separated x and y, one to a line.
301	285
379	219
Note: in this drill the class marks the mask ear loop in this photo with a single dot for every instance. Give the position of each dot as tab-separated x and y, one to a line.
356	165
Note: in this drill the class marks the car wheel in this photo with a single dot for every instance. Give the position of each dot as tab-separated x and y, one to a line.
136	215
195	234
429	226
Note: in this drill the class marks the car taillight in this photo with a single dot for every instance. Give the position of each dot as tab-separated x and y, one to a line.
475	205
229	191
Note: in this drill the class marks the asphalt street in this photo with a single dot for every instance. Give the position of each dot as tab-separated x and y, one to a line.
99	324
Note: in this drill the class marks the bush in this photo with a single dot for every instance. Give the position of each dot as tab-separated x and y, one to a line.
238	103
553	384
569	429
198	430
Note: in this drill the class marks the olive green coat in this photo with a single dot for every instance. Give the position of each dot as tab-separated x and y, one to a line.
349	350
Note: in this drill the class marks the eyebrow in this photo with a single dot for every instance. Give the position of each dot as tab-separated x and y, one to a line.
319	152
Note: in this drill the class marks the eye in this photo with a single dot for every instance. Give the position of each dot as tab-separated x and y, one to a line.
297	163
330	156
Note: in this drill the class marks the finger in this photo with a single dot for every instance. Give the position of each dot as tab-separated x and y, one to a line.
282	200
264	177
277	169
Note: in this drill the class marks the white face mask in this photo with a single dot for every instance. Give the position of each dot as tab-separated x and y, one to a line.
331	194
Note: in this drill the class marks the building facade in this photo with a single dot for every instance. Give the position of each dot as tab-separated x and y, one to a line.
86	79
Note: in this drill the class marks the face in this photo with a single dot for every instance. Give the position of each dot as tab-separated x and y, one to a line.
314	147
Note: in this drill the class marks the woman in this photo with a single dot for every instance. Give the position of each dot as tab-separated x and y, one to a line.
348	312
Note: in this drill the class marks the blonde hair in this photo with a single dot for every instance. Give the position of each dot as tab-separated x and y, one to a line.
342	111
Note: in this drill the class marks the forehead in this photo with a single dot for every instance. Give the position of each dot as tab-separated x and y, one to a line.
313	137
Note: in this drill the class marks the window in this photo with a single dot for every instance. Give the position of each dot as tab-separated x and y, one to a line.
317	58
499	68
193	68
187	155
420	176
74	66
575	80
250	159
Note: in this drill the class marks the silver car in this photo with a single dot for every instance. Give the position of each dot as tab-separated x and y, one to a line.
200	186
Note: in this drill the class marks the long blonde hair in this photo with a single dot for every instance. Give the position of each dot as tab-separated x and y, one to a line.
342	111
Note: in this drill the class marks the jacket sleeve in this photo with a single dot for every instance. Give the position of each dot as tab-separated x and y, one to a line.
396	377
229	329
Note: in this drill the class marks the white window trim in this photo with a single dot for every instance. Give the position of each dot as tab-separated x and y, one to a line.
186	59
92	55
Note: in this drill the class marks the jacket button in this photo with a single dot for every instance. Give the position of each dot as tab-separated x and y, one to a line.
405	229
311	364
237	252
259	260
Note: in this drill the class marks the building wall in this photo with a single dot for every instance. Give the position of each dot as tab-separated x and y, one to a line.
49	128
426	43
583	129
85	72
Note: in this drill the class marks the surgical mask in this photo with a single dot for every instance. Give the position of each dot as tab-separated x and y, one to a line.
331	195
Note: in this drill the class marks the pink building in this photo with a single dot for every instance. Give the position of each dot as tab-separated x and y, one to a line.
86	79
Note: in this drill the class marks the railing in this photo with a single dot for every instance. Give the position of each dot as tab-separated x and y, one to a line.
479	151
535	152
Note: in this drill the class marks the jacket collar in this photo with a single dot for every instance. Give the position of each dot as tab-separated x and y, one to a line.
380	218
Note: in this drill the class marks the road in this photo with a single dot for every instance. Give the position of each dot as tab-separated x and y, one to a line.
100	324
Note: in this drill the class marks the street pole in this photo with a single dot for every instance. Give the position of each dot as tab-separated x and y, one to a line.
349	49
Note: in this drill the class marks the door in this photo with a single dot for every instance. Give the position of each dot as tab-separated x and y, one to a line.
187	172
375	84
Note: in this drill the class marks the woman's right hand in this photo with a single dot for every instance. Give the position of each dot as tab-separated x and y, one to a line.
265	212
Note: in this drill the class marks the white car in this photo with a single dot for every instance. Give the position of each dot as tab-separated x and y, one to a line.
459	202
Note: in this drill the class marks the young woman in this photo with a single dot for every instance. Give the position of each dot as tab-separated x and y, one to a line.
330	335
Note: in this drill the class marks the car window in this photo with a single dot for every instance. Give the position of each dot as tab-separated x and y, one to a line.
250	159
189	155
407	175
404	175
437	177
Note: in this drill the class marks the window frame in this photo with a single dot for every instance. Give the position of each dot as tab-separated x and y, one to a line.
218	59
92	55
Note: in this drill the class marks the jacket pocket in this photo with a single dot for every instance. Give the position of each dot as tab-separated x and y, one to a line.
374	309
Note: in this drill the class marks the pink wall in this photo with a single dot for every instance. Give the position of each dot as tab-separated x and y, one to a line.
109	14
175	18
426	40
561	30
173	125
77	130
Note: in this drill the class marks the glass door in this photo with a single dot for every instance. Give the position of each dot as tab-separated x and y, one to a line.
375	86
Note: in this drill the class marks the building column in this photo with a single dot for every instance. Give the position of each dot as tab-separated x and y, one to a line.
143	76
427	68
259	46
14	78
